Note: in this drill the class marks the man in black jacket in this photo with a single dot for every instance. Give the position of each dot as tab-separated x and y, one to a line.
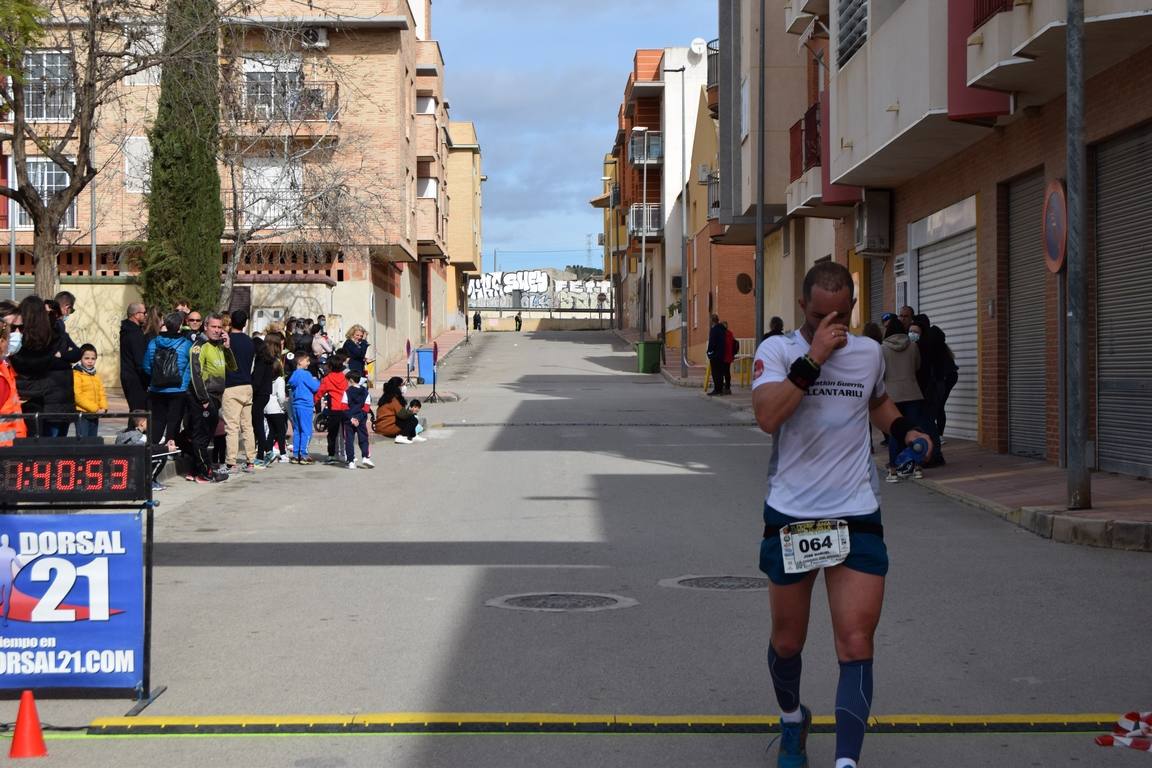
237	403
717	343
133	379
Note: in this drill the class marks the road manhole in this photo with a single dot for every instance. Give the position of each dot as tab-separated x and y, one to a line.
717	583
561	602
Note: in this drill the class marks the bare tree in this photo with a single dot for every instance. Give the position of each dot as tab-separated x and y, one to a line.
293	180
56	98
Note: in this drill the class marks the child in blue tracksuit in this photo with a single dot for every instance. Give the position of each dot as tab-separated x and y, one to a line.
356	419
304	387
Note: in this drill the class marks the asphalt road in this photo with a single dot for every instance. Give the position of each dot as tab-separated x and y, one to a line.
323	591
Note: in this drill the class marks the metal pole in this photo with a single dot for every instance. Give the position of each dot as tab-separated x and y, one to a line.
683	221
758	155
92	223
12	208
644	245
1079	479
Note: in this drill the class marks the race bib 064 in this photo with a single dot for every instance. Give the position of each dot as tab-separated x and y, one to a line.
810	544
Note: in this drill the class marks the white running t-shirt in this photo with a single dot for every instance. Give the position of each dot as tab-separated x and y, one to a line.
821	463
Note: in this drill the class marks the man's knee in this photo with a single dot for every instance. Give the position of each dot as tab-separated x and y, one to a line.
854	644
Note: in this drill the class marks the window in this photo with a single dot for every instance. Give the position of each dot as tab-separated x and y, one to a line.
852	19
273	193
425	105
272	86
137	164
48	178
145	41
426	187
48	93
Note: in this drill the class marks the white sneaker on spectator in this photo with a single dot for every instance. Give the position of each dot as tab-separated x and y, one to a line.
367	462
351	465
403	440
419	439
284	458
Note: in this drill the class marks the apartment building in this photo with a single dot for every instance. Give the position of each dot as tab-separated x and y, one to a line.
945	120
720	277
465	232
334	166
649	166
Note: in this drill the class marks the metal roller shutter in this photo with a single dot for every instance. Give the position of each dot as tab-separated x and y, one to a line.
876	289
1027	331
947	288
1124	306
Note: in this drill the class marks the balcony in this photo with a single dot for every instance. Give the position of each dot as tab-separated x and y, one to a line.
429	232
270	209
713	83
982	10
645	220
281	100
427	137
1021	49
648	151
714	196
804	143
814	7
795	21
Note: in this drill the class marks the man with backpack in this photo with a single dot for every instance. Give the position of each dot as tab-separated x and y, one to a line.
166	363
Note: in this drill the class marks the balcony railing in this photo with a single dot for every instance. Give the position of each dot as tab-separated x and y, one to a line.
654	146
283	100
982	10
713	63
645	220
280	208
714	196
804	143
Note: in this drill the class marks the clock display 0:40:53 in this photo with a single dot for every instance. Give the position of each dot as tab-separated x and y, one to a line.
53	475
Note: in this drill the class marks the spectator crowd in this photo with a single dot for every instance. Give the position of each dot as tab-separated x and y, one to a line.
227	401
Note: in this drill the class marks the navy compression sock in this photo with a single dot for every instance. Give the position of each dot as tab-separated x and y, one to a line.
853	704
785	679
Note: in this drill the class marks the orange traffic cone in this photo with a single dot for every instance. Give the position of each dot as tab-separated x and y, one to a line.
27	739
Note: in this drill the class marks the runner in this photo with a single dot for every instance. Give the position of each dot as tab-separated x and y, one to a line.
814	391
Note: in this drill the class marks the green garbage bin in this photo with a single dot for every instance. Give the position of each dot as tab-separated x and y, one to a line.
648	356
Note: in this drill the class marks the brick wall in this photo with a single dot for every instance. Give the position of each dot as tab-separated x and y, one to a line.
1116	101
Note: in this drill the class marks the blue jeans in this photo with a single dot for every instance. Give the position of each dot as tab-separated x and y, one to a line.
87	426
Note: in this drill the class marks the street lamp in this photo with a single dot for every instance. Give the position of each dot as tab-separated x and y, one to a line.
643	237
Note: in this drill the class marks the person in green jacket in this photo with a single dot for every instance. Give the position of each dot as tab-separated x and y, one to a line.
209	360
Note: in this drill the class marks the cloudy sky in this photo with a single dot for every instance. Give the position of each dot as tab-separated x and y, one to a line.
542	80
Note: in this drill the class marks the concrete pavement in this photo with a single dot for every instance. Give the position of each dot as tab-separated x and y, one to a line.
560	471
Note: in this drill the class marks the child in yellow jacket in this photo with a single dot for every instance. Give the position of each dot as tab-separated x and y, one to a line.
89	392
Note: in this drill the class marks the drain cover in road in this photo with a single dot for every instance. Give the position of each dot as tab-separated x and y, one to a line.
717	583
561	601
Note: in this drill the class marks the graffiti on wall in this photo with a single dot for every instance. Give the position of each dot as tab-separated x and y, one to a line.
536	289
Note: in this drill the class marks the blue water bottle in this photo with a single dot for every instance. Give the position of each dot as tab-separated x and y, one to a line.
913	455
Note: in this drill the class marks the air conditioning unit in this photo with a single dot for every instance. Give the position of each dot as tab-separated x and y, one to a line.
314	37
677	282
703	174
874	223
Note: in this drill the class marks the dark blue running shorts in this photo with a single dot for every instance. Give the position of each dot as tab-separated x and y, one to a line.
868	555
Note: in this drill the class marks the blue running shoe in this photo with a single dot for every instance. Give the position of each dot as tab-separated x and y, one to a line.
793	742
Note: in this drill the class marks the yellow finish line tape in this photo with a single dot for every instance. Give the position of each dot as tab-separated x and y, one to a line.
529	722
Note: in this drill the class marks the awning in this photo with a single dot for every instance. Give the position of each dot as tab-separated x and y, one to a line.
601	201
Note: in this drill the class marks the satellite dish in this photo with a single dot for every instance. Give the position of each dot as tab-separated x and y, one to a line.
698	46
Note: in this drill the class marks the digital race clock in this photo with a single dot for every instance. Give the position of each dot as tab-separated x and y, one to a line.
45	471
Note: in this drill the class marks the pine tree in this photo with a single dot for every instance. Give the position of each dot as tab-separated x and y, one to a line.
185	216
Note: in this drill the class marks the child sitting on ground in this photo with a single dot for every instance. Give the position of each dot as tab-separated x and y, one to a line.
408	420
136	433
89	392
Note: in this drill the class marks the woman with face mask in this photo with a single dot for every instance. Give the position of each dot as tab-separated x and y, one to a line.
10	428
44	366
901	364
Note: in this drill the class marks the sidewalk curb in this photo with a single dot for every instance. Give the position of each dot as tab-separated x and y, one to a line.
1053	523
